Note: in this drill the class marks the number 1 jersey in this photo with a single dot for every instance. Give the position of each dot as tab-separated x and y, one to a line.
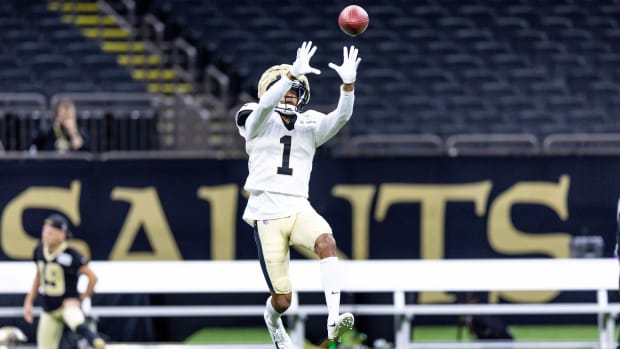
281	153
280	158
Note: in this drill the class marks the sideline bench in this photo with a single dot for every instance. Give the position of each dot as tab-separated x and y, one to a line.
386	276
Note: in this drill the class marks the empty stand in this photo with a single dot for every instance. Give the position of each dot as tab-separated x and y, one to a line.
440	67
52	55
475	67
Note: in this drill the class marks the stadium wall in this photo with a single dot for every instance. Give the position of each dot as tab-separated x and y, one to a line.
431	208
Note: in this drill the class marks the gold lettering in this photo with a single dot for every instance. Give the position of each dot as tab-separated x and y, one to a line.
505	238
223	202
145	211
360	197
16	243
432	199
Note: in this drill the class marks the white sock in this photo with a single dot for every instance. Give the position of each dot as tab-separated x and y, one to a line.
331	287
272	314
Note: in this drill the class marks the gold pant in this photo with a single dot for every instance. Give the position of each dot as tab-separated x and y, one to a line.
49	331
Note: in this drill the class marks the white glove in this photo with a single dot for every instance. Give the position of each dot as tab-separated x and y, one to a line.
348	69
301	66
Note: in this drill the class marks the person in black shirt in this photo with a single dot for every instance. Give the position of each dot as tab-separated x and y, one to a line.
58	269
482	327
63	135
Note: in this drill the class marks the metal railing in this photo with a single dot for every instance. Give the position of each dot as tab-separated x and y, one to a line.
184	59
220	93
154	28
21	114
117	100
391	145
493	144
582	144
112	121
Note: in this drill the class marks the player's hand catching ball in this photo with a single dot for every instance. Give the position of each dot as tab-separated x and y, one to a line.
348	69
301	66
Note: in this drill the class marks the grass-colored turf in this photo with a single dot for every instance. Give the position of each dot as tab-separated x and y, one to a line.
549	332
420	333
229	336
520	333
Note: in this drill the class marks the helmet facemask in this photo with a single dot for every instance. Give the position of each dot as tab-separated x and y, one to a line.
300	91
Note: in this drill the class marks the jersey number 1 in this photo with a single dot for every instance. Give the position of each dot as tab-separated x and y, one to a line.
286	155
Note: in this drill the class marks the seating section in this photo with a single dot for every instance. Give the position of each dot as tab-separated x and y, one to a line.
41	53
110	121
432	66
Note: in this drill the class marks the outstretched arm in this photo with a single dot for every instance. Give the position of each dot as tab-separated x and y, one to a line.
335	120
274	94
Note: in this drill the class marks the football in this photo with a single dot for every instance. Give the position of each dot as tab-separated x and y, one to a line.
353	20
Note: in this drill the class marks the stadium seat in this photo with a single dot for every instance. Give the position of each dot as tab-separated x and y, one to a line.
523	78
497	89
599	24
574	12
541	92
447	89
612	38
542	51
526	12
562	104
610	9
523	40
511	106
465	104
451	23
488	48
534	120
590	48
474	78
470	36
481	15
506	25
524	61
563	63
584	120
460	62
600	92
555	24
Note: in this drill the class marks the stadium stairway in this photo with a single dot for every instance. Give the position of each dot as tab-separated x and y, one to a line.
107	24
146	66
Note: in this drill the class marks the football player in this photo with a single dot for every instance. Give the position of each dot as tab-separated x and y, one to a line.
281	139
58	269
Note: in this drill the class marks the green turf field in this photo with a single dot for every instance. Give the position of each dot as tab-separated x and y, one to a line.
420	333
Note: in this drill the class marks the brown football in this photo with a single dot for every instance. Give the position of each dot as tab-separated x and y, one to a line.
353	20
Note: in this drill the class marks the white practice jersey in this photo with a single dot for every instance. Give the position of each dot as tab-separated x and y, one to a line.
281	154
281	158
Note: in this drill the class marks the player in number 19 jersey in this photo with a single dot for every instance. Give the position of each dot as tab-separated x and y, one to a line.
58	269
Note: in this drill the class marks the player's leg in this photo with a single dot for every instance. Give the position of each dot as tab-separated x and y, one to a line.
74	318
272	242
49	330
313	232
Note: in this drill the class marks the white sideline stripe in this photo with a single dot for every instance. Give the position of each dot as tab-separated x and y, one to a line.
389	276
503	345
357	276
170	346
304	310
414	345
437	345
